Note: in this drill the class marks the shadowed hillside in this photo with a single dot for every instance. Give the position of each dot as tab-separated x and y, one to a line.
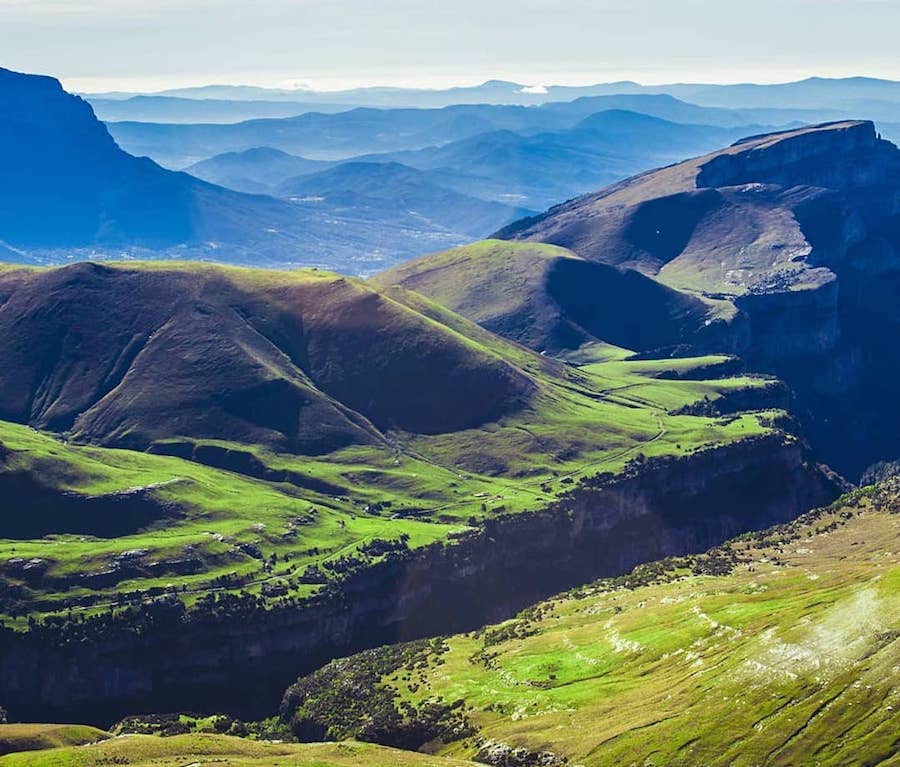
304	362
549	299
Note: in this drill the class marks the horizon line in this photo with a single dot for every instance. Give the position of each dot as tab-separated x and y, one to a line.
153	85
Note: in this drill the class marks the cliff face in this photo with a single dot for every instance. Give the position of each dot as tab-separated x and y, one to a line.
173	661
800	233
847	155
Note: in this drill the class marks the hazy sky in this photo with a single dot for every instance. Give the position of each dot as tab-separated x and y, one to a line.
152	44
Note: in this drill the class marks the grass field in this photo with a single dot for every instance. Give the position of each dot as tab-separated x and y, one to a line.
224	750
245	533
792	657
36	737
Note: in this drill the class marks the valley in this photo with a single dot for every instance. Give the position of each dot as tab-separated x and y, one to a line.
488	425
295	529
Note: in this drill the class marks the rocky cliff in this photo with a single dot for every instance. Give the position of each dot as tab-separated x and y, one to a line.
793	241
69	191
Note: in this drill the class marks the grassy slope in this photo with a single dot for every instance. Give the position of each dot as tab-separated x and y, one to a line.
791	658
35	737
594	419
548	298
302	361
516	270
181	750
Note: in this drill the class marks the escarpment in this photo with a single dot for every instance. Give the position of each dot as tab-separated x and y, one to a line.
234	655
789	242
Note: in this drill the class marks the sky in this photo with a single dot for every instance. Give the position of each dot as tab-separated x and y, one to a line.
146	45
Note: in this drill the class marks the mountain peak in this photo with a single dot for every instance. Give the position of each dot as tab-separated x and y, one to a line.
745	198
68	185
28	83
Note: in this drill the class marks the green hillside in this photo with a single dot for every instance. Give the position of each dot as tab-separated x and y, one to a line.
302	361
181	750
779	648
37	737
90	527
550	299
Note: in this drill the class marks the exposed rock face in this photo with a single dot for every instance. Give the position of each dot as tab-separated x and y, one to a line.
242	663
799	232
838	156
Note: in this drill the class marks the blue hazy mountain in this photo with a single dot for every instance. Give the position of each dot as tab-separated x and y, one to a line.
71	192
257	170
813	92
366	131
328	136
171	109
518	170
400	196
536	171
67	185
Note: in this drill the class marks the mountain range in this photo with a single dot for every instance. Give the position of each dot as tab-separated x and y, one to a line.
63	166
70	187
72	193
291	506
368	130
813	91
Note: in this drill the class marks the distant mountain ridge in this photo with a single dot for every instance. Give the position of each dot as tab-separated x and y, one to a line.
367	130
68	185
72	193
183	110
506	92
539	169
257	170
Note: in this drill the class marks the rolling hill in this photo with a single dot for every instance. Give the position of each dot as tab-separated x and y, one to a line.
301	362
149	751
312	466
551	300
218	479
